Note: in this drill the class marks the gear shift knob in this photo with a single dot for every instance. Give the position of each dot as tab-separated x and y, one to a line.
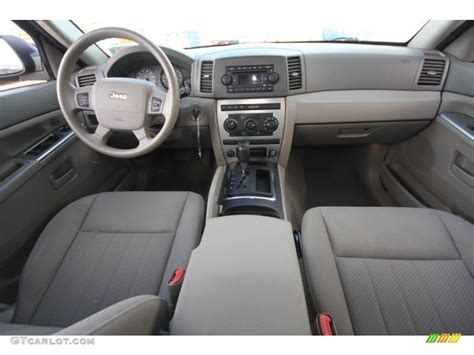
243	154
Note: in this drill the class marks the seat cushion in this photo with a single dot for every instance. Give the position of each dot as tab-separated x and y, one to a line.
106	248
26	329
382	270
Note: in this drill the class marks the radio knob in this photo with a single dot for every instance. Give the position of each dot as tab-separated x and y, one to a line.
250	125
230	124
273	78
271	124
226	79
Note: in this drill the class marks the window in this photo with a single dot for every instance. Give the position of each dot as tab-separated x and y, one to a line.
290	29
20	62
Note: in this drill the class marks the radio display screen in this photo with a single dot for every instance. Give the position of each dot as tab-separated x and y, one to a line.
246	79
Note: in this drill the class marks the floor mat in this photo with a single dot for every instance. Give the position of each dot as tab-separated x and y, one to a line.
180	170
332	178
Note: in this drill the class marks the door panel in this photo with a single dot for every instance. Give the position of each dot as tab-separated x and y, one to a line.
43	167
21	104
437	165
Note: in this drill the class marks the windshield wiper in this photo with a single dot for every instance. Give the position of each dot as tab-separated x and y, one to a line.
232	42
222	43
345	39
338	39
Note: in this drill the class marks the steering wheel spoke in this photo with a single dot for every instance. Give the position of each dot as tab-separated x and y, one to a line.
102	133
143	136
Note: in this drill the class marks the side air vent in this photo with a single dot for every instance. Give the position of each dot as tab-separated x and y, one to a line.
432	72
86	80
295	81
206	76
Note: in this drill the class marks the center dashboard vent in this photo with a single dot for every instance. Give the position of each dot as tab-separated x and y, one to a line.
207	68
295	80
432	72
86	80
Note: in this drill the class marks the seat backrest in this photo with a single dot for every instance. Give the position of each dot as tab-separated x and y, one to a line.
103	249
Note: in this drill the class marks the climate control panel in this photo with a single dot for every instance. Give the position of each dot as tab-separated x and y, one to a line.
259	124
259	121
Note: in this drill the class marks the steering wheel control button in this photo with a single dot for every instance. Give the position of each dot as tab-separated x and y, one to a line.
155	104
83	99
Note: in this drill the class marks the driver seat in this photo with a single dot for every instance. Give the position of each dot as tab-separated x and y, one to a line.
102	264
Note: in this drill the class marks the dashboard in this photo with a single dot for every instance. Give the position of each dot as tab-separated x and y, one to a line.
284	70
278	95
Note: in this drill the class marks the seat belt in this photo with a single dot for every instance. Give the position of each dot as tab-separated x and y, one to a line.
174	284
325	324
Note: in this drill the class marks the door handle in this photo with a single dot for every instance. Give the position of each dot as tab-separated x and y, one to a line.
59	182
62	175
463	169
356	132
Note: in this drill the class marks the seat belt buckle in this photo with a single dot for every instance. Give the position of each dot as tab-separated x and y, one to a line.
174	284
325	324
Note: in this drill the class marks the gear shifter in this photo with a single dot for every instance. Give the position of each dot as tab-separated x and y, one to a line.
243	154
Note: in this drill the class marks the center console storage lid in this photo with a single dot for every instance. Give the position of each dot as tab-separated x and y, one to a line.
243	279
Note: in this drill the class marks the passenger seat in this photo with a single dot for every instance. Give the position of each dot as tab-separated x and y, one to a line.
385	270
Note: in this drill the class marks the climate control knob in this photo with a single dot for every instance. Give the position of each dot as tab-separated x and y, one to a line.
273	78
250	125
226	79
271	124
230	124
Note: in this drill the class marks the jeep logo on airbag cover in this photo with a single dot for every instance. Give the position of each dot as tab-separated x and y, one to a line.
118	96
121	103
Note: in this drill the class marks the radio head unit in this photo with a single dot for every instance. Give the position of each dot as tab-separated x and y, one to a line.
250	78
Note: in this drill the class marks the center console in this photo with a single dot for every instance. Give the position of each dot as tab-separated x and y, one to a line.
250	123
251	131
259	121
243	279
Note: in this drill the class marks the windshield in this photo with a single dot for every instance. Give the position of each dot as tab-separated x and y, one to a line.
213	33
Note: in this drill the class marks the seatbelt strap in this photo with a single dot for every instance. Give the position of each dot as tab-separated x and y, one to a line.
325	324
174	284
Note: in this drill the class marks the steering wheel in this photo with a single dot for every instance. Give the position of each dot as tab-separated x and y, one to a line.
120	104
